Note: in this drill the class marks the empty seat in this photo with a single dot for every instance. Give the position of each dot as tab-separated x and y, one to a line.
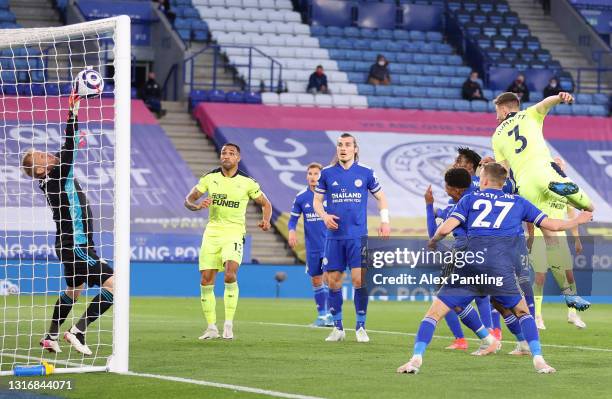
400	91
340	100
305	99
600	99
288	99
393	102
376	102
358	102
323	100
410	103
597	110
381	90
478	106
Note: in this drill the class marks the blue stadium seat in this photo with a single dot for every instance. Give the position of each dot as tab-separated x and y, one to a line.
493	53
454	60
600	99
361	66
344	43
318	30
495	17
527	55
365	89
252	97
580	109
479	17
338	54
200	35
489	29
400	91
502	7
598	110
472	28
458	81
396	68
216	96
411	103
486	6
454	5
368	33
409	46
376	102
66	88
510	17
335	31
564	109
461	105
405	57
452	92
535	96
437	59
351	31
463	17
384	34
484	41
500	42
425	80
510	54
516	43
417	35
399	34
423	47
362	44
327	42
532	43
470	5
433	36
543	55
393	102
522	31
584	98
421	58
428	103
356	77
506	30
478	106
234	97
432	70
442	48
416	91
356	55
184	34
381	90
394	47
435	92
414	69
346	66
407	80
503	63
447	70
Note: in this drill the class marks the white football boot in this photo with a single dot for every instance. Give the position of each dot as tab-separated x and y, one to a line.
362	335
541	367
211	333
573	318
336	335
521	349
540	322
228	330
413	366
76	338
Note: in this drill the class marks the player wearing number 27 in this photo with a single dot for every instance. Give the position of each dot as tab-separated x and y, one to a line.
229	190
518	143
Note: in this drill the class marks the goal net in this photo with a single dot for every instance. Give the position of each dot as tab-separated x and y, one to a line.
64	199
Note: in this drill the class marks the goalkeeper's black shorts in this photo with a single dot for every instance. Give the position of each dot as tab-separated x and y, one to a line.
83	265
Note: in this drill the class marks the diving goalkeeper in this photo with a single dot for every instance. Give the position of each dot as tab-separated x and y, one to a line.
74	243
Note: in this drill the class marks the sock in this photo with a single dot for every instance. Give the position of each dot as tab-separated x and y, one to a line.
209	303
484	310
529	297
424	335
495	319
514	326
320	297
100	304
230	300
572	286
453	324
558	257
334	304
538	290
361	306
62	308
530	332
571	311
470	318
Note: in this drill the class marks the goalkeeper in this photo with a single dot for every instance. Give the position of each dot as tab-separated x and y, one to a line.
74	243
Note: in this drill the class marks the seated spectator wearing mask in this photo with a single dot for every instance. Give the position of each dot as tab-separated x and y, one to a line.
379	73
471	88
318	82
552	89
519	87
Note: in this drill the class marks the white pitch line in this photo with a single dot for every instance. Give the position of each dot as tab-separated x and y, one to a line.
240	388
24	357
586	348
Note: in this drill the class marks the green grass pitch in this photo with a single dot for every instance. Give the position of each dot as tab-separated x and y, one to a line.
274	350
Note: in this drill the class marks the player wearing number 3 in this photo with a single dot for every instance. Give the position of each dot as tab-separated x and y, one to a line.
229	190
518	143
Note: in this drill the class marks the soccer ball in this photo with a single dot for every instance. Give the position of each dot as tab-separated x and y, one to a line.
88	84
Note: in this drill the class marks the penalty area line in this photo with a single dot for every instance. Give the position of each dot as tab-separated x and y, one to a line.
232	387
263	323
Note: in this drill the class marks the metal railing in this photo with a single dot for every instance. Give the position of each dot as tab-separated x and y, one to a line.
601	81
189	66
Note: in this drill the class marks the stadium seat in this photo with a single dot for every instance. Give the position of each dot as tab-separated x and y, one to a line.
216	95
400	91
376	102
341	101
597	110
358	102
411	103
270	98
479	17
600	99
382	90
461	105
393	102
428	103
584	98
234	97
418	91
580	109
510	17
452	92
470	5
323	100
435	92
463	17
532	43
522	31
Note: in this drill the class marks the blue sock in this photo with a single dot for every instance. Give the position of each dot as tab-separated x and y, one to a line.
453	323
514	326
495	318
320	297
530	332
424	335
361	306
484	310
528	292
334	304
470	318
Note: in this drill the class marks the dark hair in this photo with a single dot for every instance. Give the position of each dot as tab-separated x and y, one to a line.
231	145
507	98
495	172
458	178
471	155
319	66
314	165
344	136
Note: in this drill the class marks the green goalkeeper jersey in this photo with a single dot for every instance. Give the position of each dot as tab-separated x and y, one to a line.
519	140
230	196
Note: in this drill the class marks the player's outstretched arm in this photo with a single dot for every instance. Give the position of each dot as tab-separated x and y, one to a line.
192	198
445	229
546	104
561	225
384	230
266	208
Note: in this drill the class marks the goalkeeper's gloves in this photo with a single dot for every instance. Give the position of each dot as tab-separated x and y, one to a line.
73	103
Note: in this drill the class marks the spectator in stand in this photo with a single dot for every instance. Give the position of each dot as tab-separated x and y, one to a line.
317	84
379	72
471	88
151	94
519	87
164	6
552	89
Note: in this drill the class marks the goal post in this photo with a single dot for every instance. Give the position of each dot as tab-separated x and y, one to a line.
37	68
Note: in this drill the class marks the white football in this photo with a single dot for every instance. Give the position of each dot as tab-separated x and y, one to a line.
88	84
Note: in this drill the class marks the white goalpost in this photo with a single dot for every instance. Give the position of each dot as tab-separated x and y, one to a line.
37	70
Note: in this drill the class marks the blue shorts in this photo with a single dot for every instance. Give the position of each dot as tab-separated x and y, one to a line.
342	254
314	263
453	301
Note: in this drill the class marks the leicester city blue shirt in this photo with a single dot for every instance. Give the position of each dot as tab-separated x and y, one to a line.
494	213
314	228
346	193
